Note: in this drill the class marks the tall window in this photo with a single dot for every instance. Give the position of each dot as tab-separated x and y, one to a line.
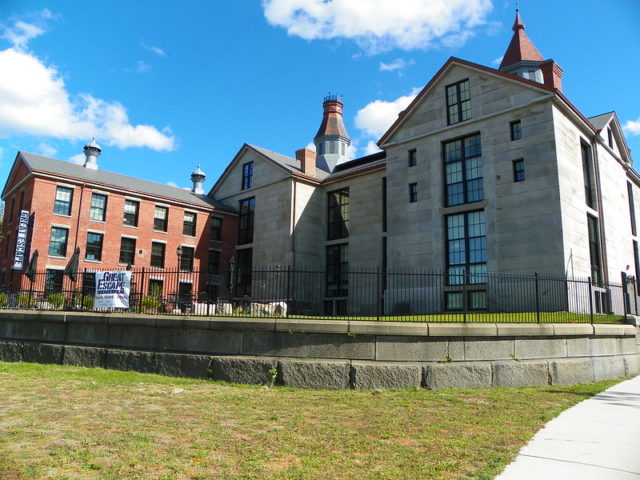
587	172
245	220
127	250
53	281
214	262
463	171
94	246
58	241
98	209
413	157
244	271
157	254
466	248
247	175
458	102
516	130
518	170
636	263
186	259
131	208
338	214
189	224
160	218
632	208
216	228
338	270
413	192
610	137
594	250
64	198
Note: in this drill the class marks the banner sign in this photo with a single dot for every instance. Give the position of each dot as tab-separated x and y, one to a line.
21	240
112	289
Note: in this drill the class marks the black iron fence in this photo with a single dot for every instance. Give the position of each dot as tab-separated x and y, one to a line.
355	294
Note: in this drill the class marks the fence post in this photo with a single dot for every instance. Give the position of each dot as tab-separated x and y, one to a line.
288	296
378	299
626	301
590	300
537	297
84	279
464	295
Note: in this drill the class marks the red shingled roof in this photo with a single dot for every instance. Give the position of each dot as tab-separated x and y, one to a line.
520	48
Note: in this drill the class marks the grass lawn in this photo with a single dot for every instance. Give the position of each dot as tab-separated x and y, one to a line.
69	423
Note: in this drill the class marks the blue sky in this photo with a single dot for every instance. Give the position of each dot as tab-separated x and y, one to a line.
165	85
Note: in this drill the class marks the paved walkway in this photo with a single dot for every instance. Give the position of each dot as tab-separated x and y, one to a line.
598	439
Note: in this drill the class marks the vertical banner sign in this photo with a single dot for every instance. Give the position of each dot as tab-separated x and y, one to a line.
21	240
112	289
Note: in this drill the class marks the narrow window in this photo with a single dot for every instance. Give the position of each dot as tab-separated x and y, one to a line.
594	250
58	241
216	229
157	254
94	246
458	102
338	270
186	259
64	198
463	171
413	192
466	248
516	130
413	158
636	261
384	204
189	224
98	209
610	137
338	214
247	175
127	250
131	208
587	172
213	265
245	220
518	170
632	208
160	218
244	271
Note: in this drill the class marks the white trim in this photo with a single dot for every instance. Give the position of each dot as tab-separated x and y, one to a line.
100	192
67	185
101	232
158	241
54	267
60	225
129	236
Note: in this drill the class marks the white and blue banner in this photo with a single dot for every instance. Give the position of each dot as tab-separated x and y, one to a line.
21	240
112	289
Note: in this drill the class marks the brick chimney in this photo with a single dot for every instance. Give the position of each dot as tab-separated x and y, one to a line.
307	161
552	74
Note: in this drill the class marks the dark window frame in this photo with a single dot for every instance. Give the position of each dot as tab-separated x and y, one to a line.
471	188
54	279
189	222
337	262
127	250
213	263
186	258
95	243
338	213
515	128
131	219
216	229
247	175
412	157
244	272
246	220
61	250
413	192
595	254
632	209
158	254
458	108
590	193
160	224
462	267
518	170
98	213
63	206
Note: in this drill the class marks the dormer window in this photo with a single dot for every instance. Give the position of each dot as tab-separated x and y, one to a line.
458	102
610	137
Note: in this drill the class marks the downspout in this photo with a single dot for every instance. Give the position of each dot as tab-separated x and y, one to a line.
75	243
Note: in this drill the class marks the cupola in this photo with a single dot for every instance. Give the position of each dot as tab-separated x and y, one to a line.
332	138
92	151
198	177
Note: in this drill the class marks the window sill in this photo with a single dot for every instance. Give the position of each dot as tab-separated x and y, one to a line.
97	221
59	257
464	207
159	231
129	226
61	215
92	261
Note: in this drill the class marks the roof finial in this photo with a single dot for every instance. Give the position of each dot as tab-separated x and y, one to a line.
517	24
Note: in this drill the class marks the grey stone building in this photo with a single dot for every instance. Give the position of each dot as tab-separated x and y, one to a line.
487	170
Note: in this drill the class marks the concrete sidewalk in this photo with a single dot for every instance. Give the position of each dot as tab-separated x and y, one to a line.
598	439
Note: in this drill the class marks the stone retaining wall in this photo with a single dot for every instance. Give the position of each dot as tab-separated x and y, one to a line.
328	354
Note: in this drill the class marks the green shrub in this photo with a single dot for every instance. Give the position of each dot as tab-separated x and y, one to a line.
151	303
87	303
56	299
4	299
25	300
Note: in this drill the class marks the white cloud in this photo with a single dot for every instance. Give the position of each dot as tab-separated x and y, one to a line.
311	146
497	61
157	50
78	159
172	184
46	150
371	148
380	25
34	101
142	67
376	117
20	34
397	64
632	127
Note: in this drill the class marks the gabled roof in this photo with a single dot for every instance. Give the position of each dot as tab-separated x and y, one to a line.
465	63
520	48
610	118
38	164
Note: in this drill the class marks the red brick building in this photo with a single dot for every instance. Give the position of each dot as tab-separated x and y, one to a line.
117	222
